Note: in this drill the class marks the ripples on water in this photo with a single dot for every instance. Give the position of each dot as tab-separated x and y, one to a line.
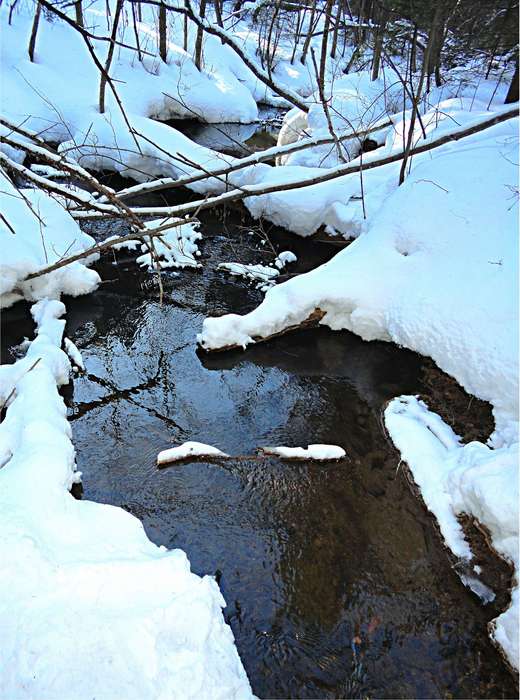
335	581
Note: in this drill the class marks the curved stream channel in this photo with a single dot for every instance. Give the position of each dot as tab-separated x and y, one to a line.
336	581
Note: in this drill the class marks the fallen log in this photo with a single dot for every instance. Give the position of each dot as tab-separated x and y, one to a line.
312	321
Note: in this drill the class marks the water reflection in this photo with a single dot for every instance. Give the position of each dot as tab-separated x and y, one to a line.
334	578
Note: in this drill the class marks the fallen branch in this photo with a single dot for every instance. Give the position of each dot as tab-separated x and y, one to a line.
107	245
81	198
332	174
268	154
44	153
259	190
312	321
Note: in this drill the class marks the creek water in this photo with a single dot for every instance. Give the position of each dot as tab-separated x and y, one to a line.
235	139
336	581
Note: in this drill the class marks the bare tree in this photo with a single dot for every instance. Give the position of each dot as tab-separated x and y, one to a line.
218	12
512	93
163	30
310	30
79	13
34	31
110	53
200	34
378	41
417	97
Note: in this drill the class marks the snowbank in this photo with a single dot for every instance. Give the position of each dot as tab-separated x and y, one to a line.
90	607
176	248
357	103
103	142
456	479
435	271
35	231
149	88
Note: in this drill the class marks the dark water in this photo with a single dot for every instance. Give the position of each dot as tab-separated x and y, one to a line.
234	139
335	579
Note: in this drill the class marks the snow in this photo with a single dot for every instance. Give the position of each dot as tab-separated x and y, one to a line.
176	248
187	450
312	452
48	171
263	274
434	269
176	89
357	103
90	607
36	231
455	479
73	353
260	273
285	258
433	280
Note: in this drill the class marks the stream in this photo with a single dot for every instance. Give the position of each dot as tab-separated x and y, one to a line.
336	580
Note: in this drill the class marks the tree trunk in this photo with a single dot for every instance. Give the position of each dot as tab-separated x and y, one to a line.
417	98
335	33
136	33
186	33
324	41
218	13
437	33
512	93
308	38
34	31
297	35
103	81
413	51
200	33
79	13
269	56
163	31
378	45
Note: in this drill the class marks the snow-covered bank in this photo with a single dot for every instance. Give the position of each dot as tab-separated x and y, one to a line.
435	272
455	479
435	269
35	231
90	607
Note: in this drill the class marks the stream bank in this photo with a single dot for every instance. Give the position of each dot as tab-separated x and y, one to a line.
336	580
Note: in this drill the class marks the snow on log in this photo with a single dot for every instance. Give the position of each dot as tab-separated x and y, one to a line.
316	452
187	450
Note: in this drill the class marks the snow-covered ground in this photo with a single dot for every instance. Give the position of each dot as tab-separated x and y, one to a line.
454	479
187	450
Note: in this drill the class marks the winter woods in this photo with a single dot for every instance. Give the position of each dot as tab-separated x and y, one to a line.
209	175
